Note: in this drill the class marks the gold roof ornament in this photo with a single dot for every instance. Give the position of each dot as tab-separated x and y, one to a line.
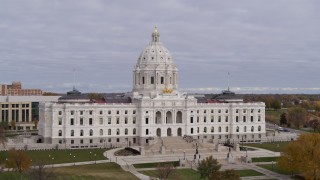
167	90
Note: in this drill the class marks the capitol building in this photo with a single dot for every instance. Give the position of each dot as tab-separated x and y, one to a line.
154	108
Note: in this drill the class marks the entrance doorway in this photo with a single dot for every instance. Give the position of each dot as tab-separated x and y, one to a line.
169	133
179	132
159	132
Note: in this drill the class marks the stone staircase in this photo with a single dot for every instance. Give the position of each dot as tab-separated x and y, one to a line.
178	145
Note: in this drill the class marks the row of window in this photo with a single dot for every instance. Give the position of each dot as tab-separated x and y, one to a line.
101	121
100	112
205	129
226	119
227	111
101	133
14	105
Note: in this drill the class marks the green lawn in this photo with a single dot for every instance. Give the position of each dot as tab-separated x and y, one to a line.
154	165
275	168
62	156
265	159
83	172
270	146
248	172
188	174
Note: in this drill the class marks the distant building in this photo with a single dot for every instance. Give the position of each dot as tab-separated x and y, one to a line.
15	89
23	110
154	108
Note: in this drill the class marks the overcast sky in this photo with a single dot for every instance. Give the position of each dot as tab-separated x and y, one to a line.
268	46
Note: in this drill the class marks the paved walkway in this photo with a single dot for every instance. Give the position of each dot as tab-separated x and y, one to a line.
126	162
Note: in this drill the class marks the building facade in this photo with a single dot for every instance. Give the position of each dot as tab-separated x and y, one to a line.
154	108
15	89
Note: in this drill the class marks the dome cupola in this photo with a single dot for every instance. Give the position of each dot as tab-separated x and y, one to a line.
155	70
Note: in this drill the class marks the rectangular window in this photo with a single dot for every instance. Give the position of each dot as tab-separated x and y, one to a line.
60	112
109	112
205	119
81	112
60	121
147	120
244	118
237	118
237	110
90	121
212	119
162	80
126	120
90	112
219	119
101	112
101	120
72	112
259	118
81	141
72	141
191	119
118	112
109	120
251	110
198	119
134	112
152	80
126	112
244	111
227	118
71	121
118	120
251	118
91	141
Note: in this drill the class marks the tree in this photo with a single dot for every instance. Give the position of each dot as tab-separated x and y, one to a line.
283	119
297	116
3	138
275	104
315	124
13	124
302	156
18	160
165	170
207	167
228	174
38	172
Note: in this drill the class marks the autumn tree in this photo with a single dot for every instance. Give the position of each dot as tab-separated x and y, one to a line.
18	160
208	167
228	174
283	119
302	156
13	124
315	124
165	170
39	172
297	116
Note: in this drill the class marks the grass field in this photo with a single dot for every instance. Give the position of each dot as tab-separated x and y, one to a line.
154	165
265	159
275	168
248	172
274	115
110	171
62	156
188	174
270	146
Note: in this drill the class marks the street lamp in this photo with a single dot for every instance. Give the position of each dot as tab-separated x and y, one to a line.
95	158
74	160
184	155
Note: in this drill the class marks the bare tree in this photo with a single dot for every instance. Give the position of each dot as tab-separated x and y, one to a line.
165	170
39	172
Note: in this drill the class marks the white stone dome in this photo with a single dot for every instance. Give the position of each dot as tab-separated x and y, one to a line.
155	52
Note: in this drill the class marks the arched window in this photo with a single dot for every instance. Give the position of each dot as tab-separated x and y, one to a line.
219	128
245	129
205	129
237	130
147	131
212	129
72	132
60	133
101	132
81	132
126	131
227	129
259	128
109	131
91	132
118	131
134	131
252	128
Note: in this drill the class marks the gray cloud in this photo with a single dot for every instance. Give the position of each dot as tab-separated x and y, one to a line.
268	43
